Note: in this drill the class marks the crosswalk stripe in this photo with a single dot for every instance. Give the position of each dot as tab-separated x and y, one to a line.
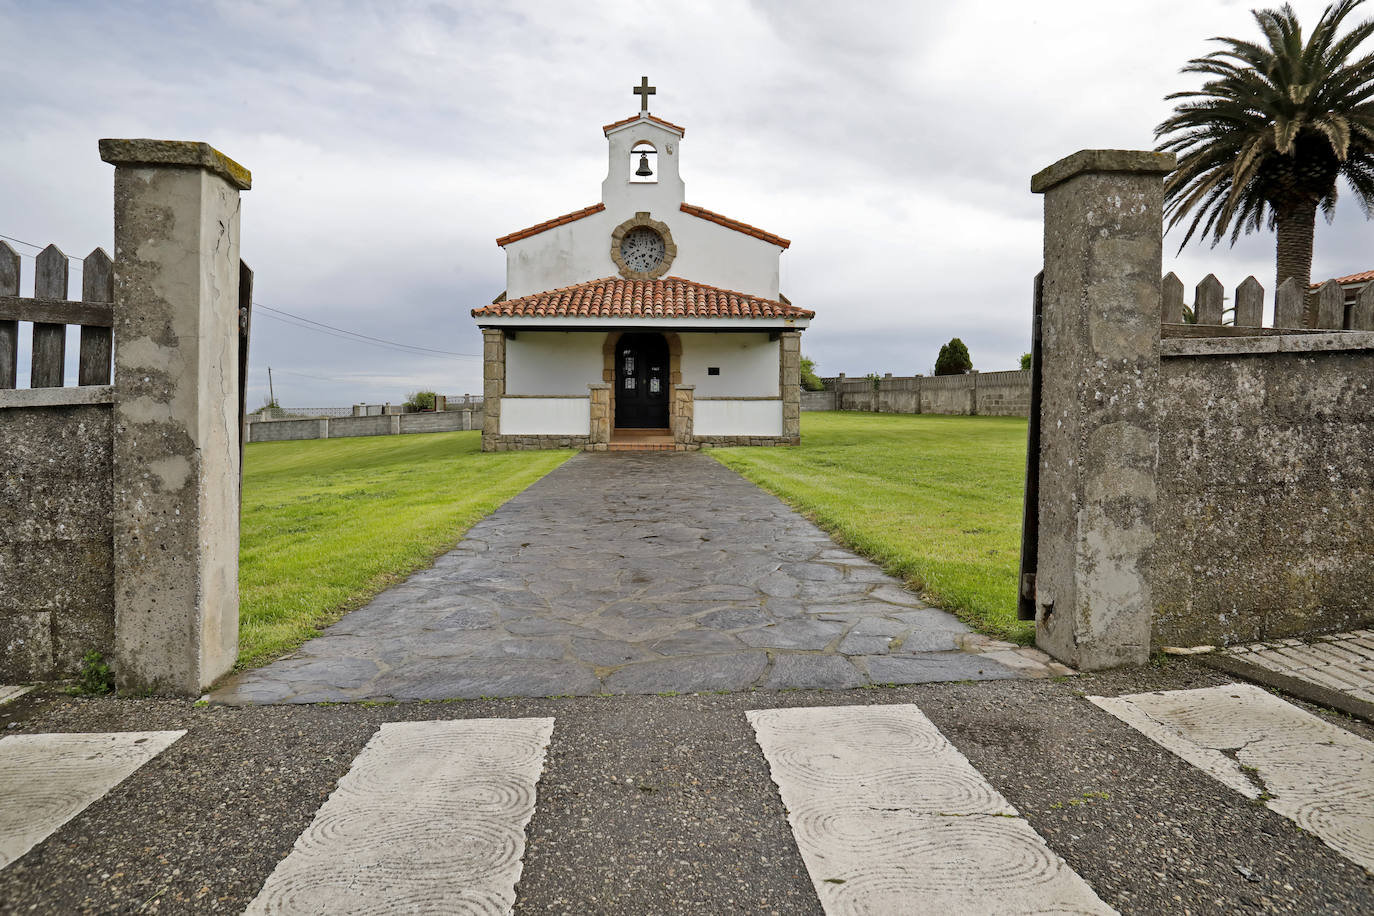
12	693
890	818
430	819
1317	775
46	780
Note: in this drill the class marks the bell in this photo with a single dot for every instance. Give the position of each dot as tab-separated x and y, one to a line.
644	171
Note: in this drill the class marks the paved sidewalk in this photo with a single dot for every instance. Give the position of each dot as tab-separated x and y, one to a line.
636	573
1335	670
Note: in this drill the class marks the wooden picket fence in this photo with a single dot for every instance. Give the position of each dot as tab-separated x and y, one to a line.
50	312
1297	310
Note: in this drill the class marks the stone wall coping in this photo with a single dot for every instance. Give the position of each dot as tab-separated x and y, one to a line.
599	386
1102	160
1284	343
774	397
548	397
177	153
689	388
57	397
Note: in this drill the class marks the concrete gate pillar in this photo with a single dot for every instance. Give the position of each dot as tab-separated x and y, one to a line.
1099	430
176	412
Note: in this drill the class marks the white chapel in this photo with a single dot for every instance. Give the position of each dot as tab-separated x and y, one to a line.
641	321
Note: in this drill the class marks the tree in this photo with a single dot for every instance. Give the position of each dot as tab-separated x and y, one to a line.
420	400
1263	143
1025	361
953	359
809	379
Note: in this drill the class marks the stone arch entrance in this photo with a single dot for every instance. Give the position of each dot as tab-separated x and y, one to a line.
642	381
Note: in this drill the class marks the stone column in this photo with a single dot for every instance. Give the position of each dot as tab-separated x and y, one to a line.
493	385
1100	349
176	412
601	416
789	343
684	413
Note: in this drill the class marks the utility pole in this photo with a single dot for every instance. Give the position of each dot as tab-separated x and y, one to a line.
271	394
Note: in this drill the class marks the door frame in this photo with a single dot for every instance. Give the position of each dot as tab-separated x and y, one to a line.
608	348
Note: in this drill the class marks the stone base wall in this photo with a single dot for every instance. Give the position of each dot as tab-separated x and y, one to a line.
500	443
730	441
56	539
1265	515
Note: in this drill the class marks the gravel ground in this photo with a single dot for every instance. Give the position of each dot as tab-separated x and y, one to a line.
656	804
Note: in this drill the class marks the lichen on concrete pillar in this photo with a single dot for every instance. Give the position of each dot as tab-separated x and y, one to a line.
176	411
1100	433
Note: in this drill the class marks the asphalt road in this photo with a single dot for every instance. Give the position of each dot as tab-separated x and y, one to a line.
663	804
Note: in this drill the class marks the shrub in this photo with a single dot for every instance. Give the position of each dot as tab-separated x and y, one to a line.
95	676
953	359
809	379
1025	361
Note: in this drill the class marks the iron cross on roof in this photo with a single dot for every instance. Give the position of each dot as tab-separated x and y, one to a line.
644	90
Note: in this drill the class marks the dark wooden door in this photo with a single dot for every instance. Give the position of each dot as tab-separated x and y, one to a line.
641	382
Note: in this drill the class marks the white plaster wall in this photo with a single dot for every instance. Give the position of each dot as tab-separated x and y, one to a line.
736	418
581	251
547	416
748	364
553	362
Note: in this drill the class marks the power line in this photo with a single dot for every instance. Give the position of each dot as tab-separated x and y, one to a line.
369	337
71	257
318	326
381	344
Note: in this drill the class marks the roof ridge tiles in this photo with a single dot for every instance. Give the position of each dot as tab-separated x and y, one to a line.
521	234
664	297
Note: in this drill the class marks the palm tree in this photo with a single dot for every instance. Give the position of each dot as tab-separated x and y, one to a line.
1265	139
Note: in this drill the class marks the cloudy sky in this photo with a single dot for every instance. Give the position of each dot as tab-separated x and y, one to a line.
391	143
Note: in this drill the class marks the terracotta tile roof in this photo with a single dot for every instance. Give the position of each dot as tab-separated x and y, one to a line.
610	127
613	297
1360	277
549	224
736	225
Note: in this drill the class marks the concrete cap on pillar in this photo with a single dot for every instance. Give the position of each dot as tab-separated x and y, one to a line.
1102	160
187	153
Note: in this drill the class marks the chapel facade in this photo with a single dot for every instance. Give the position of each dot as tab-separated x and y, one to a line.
642	321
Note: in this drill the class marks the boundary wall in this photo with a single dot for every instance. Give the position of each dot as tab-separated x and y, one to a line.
384	425
986	394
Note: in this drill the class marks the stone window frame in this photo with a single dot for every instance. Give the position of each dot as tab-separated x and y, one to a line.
669	247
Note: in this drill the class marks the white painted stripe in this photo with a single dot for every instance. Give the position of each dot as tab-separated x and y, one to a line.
1318	775
430	819
891	819
46	780
12	693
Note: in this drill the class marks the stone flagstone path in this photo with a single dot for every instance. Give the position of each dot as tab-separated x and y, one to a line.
636	573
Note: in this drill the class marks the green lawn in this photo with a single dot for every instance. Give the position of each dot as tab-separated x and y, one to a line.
936	500
328	524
